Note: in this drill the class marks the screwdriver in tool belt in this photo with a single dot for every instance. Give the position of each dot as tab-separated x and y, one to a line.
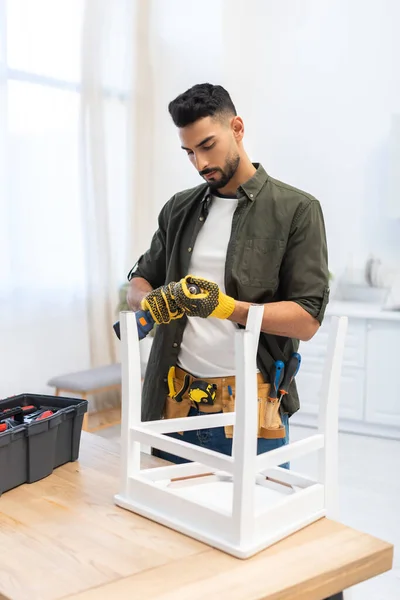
291	369
276	376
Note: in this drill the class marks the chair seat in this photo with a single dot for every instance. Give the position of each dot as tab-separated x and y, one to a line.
91	379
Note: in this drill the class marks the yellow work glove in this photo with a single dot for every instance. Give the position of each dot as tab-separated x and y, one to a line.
211	302
161	304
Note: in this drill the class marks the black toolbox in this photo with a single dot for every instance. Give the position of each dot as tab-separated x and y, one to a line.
31	450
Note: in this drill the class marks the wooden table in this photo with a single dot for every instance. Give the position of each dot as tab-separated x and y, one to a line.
63	537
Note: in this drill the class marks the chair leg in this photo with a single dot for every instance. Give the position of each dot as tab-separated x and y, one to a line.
57	392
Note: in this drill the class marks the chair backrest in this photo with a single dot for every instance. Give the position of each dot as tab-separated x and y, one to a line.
246	417
328	418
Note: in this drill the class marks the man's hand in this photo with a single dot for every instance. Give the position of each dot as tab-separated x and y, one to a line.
137	290
162	305
211	302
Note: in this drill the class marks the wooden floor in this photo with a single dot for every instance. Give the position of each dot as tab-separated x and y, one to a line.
369	497
96	421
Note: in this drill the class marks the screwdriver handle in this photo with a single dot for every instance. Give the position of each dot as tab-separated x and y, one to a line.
277	373
144	321
291	369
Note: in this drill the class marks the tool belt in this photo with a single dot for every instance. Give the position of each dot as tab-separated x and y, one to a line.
212	396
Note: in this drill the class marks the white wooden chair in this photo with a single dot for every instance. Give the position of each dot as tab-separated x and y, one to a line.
241	503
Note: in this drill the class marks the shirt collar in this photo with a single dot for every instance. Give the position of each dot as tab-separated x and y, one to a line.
250	188
253	186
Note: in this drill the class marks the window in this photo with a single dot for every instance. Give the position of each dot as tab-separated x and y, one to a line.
41	217
40	212
62	202
44	38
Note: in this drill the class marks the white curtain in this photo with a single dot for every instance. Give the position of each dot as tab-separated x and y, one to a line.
107	34
67	185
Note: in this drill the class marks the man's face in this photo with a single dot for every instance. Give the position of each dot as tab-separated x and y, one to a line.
212	149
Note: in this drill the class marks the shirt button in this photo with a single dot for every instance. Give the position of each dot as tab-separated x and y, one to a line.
201	218
165	380
251	195
175	345
190	249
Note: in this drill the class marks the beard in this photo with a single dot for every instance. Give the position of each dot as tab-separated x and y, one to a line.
229	170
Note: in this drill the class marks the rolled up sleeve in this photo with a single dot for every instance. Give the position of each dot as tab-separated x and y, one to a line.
304	274
152	264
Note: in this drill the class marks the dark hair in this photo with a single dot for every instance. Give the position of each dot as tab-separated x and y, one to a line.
201	100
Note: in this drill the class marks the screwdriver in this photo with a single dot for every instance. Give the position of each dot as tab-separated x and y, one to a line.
145	324
17	413
291	369
145	321
276	375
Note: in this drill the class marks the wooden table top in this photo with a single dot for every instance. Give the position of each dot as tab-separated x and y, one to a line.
63	537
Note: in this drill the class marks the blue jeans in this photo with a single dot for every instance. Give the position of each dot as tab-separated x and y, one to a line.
214	439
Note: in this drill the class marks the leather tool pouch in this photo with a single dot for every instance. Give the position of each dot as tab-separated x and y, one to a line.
176	410
179	406
269	420
228	405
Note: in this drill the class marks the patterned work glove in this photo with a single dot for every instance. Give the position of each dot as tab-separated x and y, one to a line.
211	302
161	304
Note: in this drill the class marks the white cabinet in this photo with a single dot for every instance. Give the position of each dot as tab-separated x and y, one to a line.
368	404
394	168
383	373
309	385
352	386
351	405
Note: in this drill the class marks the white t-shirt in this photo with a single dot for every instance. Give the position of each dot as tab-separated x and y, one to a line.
208	345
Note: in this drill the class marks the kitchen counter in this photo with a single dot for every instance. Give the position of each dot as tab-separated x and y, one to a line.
371	347
361	310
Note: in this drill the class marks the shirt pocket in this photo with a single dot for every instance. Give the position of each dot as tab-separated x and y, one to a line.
261	261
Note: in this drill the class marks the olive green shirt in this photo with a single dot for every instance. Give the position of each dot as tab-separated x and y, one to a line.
277	251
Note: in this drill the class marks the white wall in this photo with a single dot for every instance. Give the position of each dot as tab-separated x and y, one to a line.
187	48
316	84
41	338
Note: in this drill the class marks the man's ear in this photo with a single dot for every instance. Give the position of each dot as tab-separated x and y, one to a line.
238	128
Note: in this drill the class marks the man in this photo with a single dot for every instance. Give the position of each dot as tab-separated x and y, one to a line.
242	237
